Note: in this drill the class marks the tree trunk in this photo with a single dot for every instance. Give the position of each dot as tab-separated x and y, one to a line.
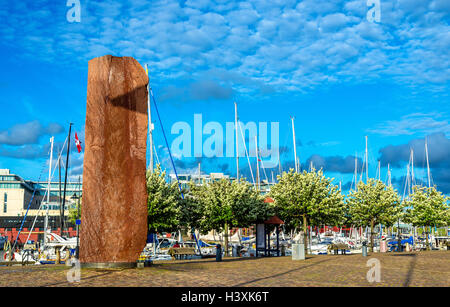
427	242
371	235
305	234
226	240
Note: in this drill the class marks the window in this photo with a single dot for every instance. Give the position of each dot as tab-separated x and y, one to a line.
5	201
10	185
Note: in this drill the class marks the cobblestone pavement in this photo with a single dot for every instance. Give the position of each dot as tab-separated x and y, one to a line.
428	269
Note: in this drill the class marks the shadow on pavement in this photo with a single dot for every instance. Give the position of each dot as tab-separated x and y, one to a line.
280	274
410	270
204	260
84	278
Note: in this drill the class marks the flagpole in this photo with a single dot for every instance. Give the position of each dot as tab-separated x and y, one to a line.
65	179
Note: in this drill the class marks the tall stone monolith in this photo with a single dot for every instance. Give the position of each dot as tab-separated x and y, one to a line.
113	227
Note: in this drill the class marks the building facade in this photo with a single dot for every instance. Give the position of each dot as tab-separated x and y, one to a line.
17	195
184	179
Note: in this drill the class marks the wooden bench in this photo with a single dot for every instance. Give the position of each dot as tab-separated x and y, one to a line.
336	247
178	252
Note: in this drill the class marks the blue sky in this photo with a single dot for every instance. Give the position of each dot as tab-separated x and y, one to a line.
341	76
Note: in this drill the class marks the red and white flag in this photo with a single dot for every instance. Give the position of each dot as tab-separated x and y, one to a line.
78	143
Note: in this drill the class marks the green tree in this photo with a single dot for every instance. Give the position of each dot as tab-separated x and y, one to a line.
163	202
191	208
372	203
228	204
427	207
307	197
73	211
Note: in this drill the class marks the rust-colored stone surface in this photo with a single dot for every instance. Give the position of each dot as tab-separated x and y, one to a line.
114	210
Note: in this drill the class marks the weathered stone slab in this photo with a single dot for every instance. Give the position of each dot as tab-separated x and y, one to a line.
114	209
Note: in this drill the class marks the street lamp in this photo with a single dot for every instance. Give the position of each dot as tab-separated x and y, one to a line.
77	222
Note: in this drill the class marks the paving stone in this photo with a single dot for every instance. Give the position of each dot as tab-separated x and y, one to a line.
421	269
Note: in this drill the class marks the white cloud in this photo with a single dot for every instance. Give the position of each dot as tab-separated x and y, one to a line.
291	44
28	133
413	123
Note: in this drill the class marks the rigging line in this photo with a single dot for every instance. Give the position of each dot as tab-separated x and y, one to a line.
363	167
165	139
170	153
355	175
28	208
246	153
156	154
386	177
264	170
406	183
288	126
45	194
262	166
371	156
413	179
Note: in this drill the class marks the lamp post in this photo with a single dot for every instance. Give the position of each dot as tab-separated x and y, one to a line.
77	198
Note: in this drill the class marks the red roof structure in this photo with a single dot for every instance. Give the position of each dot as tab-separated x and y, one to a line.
269	200
274	220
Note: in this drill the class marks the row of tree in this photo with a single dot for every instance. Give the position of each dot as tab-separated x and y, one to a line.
301	200
217	206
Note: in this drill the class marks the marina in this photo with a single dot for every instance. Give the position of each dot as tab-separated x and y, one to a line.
252	144
265	233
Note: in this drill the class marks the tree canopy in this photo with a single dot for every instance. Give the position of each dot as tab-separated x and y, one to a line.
310	194
163	202
225	203
427	207
373	203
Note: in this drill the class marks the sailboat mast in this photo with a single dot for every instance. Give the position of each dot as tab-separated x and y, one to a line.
65	177
237	140
356	170
428	164
50	169
295	148
408	181
150	124
279	165
379	170
412	166
257	163
367	163
59	200
389	175
48	187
